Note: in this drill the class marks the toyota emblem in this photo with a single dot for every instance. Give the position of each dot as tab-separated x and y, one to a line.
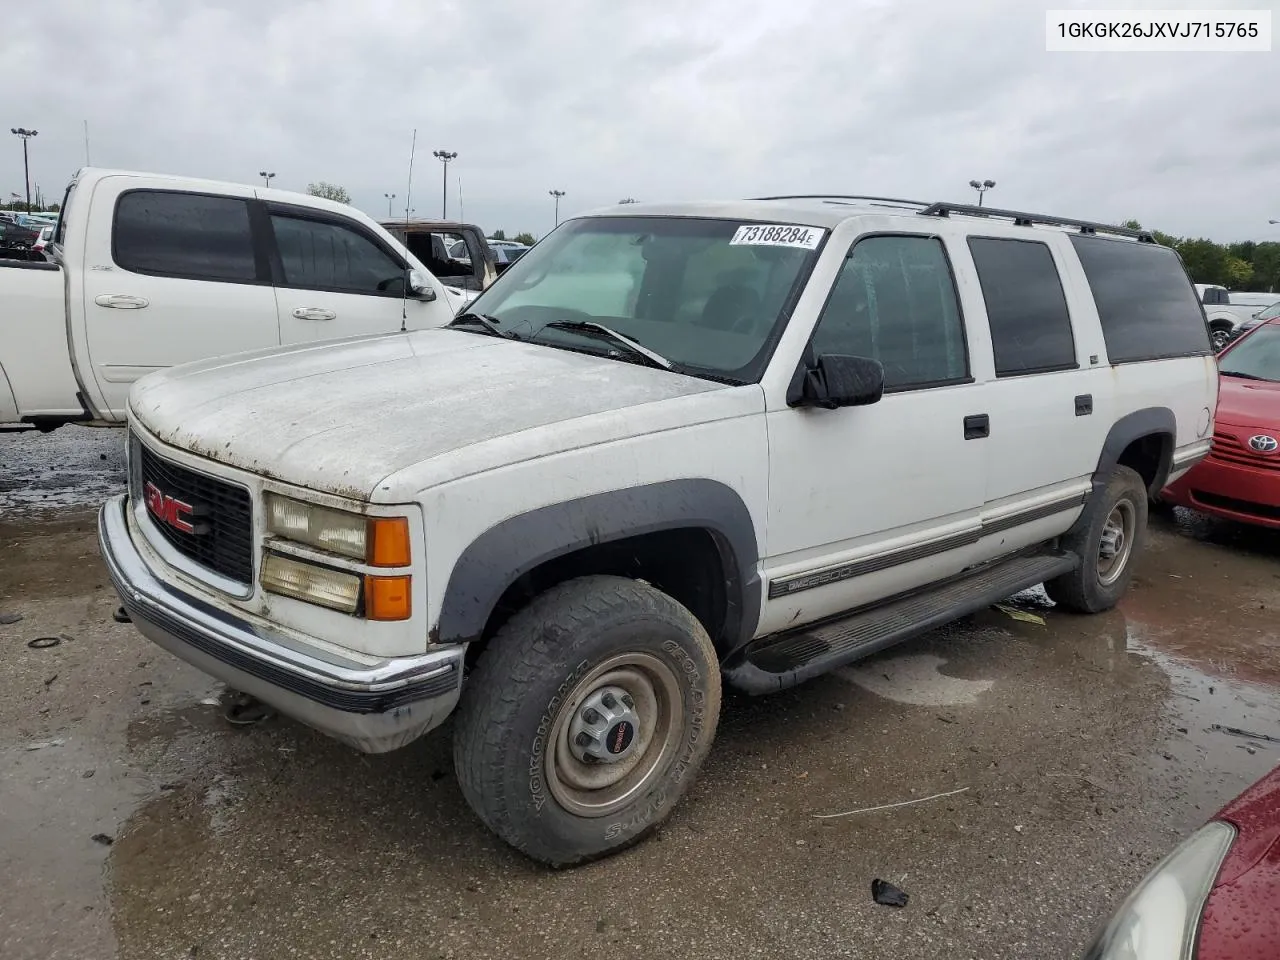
1263	443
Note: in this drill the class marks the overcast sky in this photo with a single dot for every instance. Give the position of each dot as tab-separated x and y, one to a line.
653	99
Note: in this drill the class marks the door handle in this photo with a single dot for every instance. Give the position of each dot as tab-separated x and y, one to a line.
121	301
1084	404
314	313
977	426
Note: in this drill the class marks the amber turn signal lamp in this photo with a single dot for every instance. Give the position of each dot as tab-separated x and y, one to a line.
386	598
389	541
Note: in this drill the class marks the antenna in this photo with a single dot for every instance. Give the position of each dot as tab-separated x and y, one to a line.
408	197
87	163
462	210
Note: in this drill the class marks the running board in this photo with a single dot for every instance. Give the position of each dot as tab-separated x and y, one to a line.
786	659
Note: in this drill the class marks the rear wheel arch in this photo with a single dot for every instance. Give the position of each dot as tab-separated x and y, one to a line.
694	522
1144	441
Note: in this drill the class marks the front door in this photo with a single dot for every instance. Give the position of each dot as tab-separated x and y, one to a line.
335	279
867	502
170	276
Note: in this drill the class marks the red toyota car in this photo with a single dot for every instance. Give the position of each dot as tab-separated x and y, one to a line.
1215	897
1240	478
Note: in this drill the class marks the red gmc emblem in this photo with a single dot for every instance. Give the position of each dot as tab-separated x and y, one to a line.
170	510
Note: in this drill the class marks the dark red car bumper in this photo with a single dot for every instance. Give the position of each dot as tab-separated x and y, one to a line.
1232	484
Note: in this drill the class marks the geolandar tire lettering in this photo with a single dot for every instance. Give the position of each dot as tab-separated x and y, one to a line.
586	719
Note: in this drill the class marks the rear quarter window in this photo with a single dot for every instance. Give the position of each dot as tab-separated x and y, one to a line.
1148	308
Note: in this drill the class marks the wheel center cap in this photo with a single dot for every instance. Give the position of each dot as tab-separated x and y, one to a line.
605	726
619	737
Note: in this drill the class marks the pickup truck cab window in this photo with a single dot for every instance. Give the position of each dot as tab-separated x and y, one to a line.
1026	306
707	294
325	255
191	235
895	301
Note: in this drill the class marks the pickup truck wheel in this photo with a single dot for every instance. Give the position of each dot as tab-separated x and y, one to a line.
586	718
1108	546
1219	337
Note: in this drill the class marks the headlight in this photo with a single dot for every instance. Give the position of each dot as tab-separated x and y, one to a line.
311	582
1160	919
380	541
335	530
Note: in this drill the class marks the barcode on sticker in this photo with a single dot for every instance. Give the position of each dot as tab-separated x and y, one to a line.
777	235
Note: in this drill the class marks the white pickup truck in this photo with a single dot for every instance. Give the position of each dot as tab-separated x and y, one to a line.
146	271
1225	310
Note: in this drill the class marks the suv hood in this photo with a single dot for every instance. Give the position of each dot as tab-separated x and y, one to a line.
342	416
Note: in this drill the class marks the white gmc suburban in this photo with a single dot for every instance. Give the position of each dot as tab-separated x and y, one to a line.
671	447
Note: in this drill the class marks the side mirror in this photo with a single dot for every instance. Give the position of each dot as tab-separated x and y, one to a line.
419	286
836	381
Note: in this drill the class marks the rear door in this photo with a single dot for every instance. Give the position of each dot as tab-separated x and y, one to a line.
170	276
1050	397
336	278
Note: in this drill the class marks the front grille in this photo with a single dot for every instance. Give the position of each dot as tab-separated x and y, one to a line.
223	515
1229	449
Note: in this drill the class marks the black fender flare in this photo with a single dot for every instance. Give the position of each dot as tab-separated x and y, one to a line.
513	547
1149	421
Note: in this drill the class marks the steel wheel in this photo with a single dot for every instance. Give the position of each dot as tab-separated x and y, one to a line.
1116	542
1219	339
614	734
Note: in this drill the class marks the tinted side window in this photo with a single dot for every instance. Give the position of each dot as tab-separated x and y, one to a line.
1027	310
1147	306
184	235
330	256
895	301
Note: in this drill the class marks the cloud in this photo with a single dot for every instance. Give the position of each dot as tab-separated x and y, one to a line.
660	100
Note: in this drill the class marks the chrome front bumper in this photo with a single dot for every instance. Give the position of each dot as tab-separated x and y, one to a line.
374	708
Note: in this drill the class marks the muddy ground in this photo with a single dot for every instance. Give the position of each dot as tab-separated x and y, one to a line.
1084	747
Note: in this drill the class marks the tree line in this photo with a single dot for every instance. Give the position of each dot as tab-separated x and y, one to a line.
1246	265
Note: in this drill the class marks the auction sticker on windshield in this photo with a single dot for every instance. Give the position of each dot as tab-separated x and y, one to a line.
777	235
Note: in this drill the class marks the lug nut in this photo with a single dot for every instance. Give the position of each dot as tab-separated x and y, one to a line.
627	701
609	701
590	716
583	739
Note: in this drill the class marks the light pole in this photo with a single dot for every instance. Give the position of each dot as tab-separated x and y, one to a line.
266	177
390	197
444	156
26	169
982	188
557	194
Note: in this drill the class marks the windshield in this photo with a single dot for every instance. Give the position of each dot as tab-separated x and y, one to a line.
708	295
1256	357
1267	314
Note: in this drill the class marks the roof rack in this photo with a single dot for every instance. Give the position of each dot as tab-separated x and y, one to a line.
1028	219
844	196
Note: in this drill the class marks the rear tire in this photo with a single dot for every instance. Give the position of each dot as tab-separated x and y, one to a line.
586	718
1108	545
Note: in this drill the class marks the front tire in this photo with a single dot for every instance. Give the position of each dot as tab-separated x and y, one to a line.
1108	546
586	719
1219	337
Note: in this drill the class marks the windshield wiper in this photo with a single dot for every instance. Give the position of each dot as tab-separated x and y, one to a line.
592	329
1245	376
485	322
